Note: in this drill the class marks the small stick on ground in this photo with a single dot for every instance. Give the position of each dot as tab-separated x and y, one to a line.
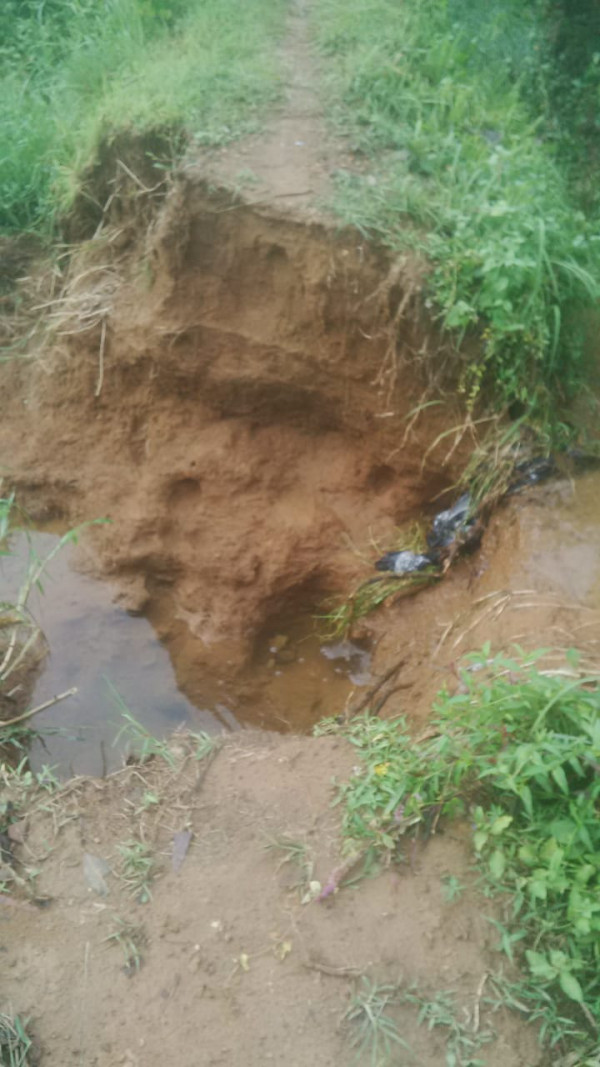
40	707
375	688
332	972
478	996
98	389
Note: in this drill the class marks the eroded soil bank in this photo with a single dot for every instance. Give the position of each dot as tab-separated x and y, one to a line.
230	388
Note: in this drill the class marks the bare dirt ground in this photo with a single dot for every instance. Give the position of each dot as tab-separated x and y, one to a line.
233	968
231	383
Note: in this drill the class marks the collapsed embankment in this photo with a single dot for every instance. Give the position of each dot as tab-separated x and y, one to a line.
231	389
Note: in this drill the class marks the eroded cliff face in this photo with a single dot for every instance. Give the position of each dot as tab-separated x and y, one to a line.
232	389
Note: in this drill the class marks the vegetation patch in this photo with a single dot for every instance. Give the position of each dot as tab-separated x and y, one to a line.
457	165
73	75
517	752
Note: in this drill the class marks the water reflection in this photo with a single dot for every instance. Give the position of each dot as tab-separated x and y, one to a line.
91	640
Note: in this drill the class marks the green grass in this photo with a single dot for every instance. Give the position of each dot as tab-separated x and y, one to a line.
373	1031
374	1019
337	619
517	752
131	937
455	166
73	77
145	746
138	867
338	615
15	1042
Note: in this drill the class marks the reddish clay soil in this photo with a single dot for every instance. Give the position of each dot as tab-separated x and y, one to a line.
229	392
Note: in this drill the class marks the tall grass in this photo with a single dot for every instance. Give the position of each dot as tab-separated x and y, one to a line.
456	166
72	75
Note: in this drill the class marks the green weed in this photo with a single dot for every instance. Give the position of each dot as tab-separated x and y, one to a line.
439	1012
452	888
146	746
456	168
137	868
337	621
206	744
131	938
374	1033
142	743
15	1042
338	617
21	640
297	854
518	753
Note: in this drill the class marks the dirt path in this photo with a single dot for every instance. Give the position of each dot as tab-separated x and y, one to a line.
290	161
224	964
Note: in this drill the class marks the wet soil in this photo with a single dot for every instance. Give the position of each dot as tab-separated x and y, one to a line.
114	660
534	584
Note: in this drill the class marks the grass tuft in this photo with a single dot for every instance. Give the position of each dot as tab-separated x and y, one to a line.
374	1033
15	1043
138	867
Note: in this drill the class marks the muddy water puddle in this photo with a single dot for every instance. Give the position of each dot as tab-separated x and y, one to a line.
102	650
295	679
561	539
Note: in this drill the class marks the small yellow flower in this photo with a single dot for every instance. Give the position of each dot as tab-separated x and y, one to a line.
381	769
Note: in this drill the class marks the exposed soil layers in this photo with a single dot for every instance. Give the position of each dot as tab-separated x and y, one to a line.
231	390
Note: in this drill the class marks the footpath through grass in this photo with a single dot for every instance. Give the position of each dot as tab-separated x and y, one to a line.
74	74
517	752
437	98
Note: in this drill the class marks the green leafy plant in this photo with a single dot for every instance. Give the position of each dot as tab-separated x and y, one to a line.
517	751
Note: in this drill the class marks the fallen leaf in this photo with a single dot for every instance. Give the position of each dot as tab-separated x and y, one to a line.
244	961
312	893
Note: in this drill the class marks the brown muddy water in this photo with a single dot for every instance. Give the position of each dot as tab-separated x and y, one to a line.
102	650
549	543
